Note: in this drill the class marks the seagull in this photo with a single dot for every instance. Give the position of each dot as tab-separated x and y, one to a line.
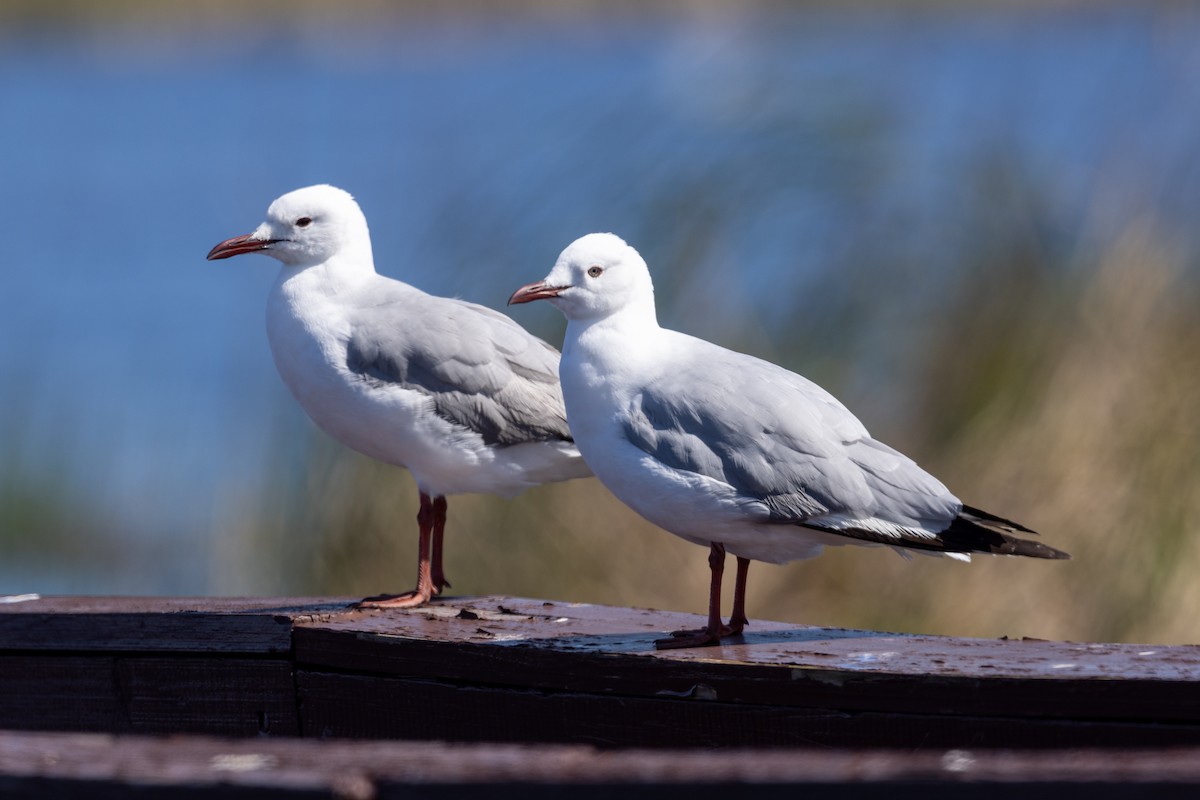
461	395
730	451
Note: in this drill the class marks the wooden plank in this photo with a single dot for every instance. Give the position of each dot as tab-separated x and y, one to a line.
228	696
100	693
332	706
509	669
47	693
81	663
139	664
568	647
176	624
82	765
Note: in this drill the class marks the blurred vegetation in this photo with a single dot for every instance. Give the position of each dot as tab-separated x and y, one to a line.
1046	376
50	527
1062	397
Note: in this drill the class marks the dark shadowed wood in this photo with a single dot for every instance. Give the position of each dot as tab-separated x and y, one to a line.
191	624
512	670
232	697
592	649
152	665
409	709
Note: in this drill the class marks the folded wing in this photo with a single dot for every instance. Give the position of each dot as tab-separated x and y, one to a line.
798	456
481	370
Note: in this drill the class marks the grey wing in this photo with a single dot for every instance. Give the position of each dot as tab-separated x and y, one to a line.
480	369
787	447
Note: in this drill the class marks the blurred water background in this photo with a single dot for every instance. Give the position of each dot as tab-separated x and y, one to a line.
977	226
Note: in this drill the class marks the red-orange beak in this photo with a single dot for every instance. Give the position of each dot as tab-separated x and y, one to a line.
534	291
238	245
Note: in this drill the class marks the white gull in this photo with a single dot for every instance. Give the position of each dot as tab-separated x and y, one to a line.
730	451
461	395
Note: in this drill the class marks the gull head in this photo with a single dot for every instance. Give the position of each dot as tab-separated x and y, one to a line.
306	227
595	277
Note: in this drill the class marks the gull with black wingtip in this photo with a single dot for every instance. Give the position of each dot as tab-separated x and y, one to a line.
732	452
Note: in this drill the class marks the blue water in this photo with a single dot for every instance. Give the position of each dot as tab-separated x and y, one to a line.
788	143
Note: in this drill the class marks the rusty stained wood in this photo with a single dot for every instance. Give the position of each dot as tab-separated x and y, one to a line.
81	765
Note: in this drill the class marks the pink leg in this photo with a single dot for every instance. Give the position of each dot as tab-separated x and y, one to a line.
737	619
715	630
424	591
439	530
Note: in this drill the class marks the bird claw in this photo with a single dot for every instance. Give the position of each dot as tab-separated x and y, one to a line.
406	600
682	639
702	637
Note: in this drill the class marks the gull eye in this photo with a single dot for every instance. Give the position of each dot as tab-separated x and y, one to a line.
303	222
595	271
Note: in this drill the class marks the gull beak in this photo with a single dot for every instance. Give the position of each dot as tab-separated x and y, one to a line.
238	245
535	291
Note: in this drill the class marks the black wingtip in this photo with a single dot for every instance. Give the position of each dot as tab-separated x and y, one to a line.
983	517
977	531
968	533
1024	547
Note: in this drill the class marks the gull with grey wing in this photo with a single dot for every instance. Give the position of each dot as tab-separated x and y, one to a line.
730	451
461	395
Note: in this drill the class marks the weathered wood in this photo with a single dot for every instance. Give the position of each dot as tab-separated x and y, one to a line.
232	696
508	669
152	665
87	766
331	706
921	690
143	624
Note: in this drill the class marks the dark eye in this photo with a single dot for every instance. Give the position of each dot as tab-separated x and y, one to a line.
595	272
303	222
